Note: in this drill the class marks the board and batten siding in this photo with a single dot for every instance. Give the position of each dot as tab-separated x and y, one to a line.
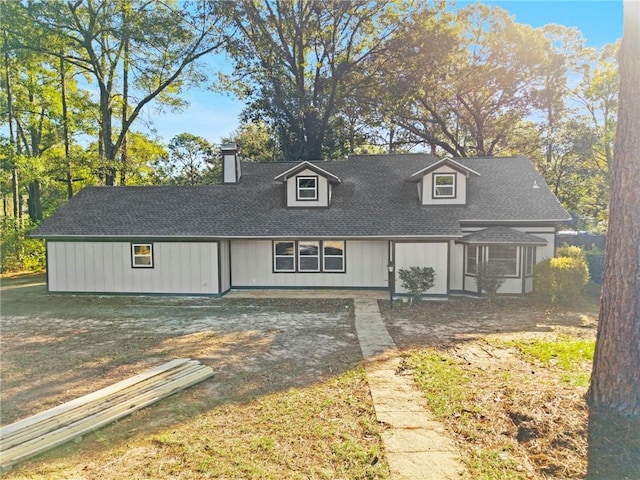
366	266
105	267
424	254
456	267
225	266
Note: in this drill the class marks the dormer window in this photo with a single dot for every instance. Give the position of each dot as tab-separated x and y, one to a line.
307	185
307	188
444	182
444	185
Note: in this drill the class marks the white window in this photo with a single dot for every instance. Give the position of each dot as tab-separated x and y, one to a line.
308	256
284	257
505	258
142	255
307	188
333	256
471	267
529	260
444	185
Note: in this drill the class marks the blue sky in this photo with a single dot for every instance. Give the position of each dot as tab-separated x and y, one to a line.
213	115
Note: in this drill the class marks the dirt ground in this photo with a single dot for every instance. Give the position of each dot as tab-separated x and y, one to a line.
522	413
58	347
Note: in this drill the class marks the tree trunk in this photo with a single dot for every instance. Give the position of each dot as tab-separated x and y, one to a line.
124	154
65	129
34	204
614	394
15	191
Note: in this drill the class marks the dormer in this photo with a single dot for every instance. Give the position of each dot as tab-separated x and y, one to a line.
308	185
443	183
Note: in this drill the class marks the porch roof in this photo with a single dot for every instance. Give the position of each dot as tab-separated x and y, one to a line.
501	235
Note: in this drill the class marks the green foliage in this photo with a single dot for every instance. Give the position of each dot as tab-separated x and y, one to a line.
595	260
19	253
571	251
191	161
445	385
417	280
564	352
300	66
490	279
256	142
560	279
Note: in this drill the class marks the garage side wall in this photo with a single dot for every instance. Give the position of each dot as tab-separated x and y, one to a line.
106	267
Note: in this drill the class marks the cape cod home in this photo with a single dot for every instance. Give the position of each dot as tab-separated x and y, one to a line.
309	224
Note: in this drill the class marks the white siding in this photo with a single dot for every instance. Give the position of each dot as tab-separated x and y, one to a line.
456	265
179	267
323	191
225	266
424	254
427	188
252	266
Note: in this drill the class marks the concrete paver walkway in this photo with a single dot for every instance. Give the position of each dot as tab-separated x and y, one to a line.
416	444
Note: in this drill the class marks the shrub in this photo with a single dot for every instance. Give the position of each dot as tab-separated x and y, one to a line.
490	279
560	279
417	280
595	261
18	252
571	251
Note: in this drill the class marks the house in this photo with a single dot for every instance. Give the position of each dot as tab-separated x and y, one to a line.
306	225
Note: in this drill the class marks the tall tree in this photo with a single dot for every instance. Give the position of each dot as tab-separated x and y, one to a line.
297	62
614	393
164	42
255	140
469	98
191	161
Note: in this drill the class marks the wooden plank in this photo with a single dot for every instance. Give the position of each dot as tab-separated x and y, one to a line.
62	435
65	417
63	423
98	395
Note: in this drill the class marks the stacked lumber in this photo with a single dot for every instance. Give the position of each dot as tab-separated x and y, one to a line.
60	424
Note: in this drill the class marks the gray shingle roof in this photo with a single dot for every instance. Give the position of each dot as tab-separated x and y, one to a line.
374	198
501	235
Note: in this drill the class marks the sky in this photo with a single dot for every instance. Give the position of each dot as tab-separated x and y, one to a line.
215	115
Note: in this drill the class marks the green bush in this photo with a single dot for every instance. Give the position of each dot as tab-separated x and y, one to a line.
490	279
571	251
562	278
595	260
18	252
417	280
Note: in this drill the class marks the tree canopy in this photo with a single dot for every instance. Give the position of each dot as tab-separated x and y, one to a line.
320	80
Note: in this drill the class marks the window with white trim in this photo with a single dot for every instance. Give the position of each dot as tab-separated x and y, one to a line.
284	256
306	188
529	260
505	257
333	256
308	256
444	185
471	266
142	255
